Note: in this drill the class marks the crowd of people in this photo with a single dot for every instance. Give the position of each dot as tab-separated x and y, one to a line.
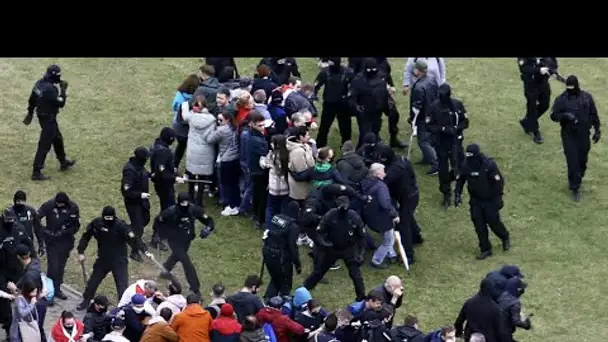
247	144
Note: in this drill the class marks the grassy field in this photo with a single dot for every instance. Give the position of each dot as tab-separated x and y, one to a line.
117	104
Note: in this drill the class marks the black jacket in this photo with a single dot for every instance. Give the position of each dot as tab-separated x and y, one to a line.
281	72
46	99
161	163
511	311
281	238
221	63
387	303
423	93
135	180
96	322
407	334
401	179
485	183
369	94
356	63
447	119
28	217
10	238
352	167
178	226
341	230
529	67
62	224
336	82
296	101
583	109
111	241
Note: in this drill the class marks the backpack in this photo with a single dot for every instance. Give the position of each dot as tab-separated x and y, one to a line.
269	332
50	287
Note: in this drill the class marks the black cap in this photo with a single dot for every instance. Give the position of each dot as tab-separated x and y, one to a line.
182	196
218	289
22	250
572	82
53	69
62	197
342	202
108	211
117	323
473	149
19	196
167	134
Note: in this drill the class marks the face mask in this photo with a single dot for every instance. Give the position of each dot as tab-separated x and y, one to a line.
60	205
68	327
8	225
171	141
19	206
108	222
183	208
138	310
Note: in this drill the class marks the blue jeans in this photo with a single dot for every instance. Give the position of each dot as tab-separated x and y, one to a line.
424	142
275	205
386	248
229	181
247	192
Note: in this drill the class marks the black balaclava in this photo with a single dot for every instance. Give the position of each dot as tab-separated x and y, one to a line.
183	202
486	287
370	66
385	153
342	202
61	200
370	139
334	63
53	73
19	200
141	156
167	134
9	218
445	94
293	210
474	157
108	214
516	287
572	86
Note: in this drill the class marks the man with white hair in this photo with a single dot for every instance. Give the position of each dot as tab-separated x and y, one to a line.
477	337
392	295
147	288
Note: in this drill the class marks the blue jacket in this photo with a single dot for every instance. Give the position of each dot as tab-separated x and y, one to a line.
243	143
179	98
279	116
300	299
266	84
257	147
380	212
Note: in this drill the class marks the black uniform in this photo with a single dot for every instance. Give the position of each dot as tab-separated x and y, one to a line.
28	217
280	251
575	110
424	92
369	98
447	120
161	166
536	90
112	235
281	68
62	223
341	235
135	183
48	95
485	185
336	80
176	224
403	187
510	306
223	66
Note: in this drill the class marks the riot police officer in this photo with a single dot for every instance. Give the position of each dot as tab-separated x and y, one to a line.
48	96
135	191
28	217
280	251
176	224
485	184
575	110
62	223
535	73
447	120
112	235
341	235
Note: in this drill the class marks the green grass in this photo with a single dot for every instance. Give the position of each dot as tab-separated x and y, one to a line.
118	104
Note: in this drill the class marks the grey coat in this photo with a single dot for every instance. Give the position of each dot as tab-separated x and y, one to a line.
200	155
22	311
225	137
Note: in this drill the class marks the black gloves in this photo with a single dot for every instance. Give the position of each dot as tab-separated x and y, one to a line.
569	117
527	324
205	232
298	269
41	251
597	135
409	120
28	118
457	200
448	130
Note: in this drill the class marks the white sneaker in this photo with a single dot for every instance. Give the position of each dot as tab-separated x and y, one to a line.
232	211
225	211
311	243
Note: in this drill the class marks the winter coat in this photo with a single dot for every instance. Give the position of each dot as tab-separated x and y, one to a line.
387	298
134	323
283	326
245	304
380	212
407	334
59	335
277	182
300	159
352	167
225	329
23	310
208	88
257	148
115	337
159	330
97	323
263	109
296	101
180	128
193	324
175	302
500	278
200	155
298	304
253	336
225	137
266	84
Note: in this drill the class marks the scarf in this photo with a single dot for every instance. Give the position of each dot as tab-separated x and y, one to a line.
71	337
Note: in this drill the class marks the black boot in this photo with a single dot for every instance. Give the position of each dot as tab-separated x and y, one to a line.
38	176
576	195
538	139
67	164
83	305
156	243
136	257
506	244
396	143
484	255
447	200
521	122
60	295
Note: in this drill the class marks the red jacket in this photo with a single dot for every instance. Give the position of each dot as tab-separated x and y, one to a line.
58	335
282	325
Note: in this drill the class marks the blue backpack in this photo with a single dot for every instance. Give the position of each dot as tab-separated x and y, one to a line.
50	287
356	308
269	332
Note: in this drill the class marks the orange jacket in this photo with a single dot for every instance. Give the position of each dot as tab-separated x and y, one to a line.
159	331
193	324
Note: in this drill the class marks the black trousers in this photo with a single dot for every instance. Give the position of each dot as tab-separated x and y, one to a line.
576	148
260	196
369	122
196	189
449	159
280	270
50	136
166	194
179	253
537	103
393	118
139	215
180	149
327	258
57	258
408	227
101	268
484	214
331	111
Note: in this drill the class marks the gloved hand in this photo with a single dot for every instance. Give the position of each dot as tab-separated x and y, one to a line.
299	269
205	232
63	85
28	118
145	195
410	120
41	251
544	71
448	130
457	200
527	323
596	136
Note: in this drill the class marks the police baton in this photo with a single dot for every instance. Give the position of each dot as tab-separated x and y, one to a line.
262	267
84	273
164	272
414	133
402	251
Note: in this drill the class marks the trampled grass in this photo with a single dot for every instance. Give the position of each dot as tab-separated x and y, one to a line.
115	105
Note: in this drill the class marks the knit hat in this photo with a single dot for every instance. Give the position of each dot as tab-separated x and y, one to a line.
62	197
138	299
276	302
348	147
227	310
421	65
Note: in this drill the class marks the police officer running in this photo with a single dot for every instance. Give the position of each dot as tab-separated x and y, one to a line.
136	194
176	224
575	110
48	95
28	217
485	185
446	121
341	235
112	235
280	251
62	223
535	73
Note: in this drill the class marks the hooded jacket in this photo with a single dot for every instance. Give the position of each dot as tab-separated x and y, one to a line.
298	303
352	167
208	88
510	306
200	155
159	330
180	128
59	335
134	323
283	326
245	304
97	323
193	324
226	138
257	335
225	329
175	302
500	278
277	182
300	159
405	333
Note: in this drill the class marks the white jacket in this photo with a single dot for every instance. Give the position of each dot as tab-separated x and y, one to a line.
115	337
137	288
